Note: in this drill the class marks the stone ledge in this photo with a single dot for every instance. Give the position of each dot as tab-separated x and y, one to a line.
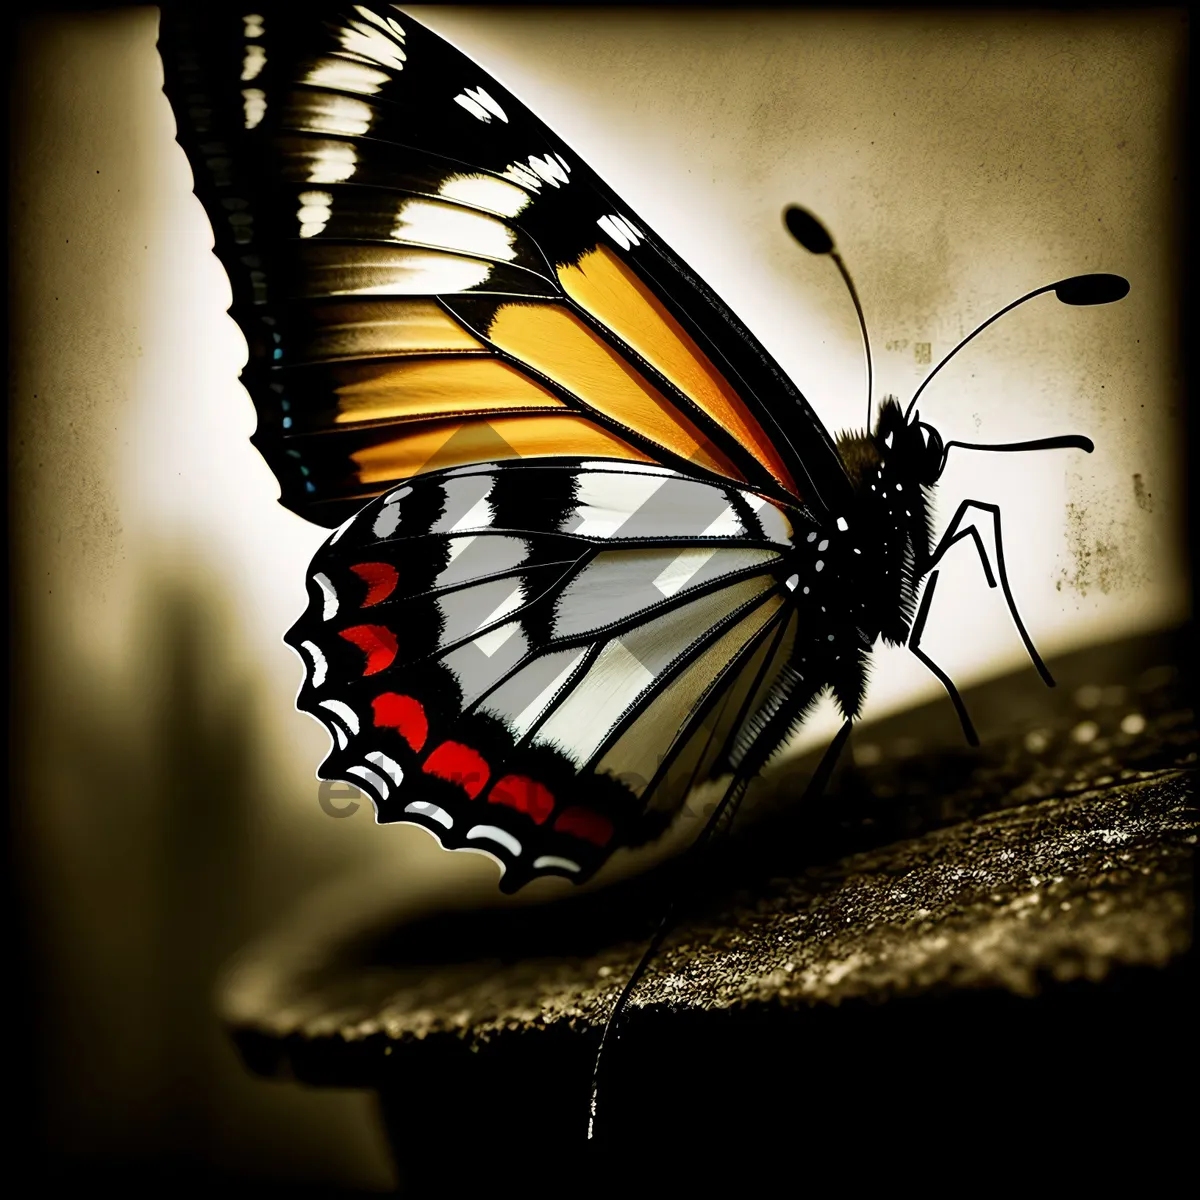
994	892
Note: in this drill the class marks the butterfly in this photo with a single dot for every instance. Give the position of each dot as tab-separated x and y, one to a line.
591	546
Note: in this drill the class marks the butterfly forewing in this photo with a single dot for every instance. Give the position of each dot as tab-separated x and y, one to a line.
566	480
428	277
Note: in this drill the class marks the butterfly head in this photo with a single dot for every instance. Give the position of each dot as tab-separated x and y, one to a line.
913	445
907	451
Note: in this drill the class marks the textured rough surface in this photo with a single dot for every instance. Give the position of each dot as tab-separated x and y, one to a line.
958	961
1065	888
1060	851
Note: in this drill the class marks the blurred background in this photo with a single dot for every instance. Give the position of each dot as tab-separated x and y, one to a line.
165	804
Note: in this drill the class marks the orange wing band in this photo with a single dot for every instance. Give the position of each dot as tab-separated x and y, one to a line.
554	341
460	443
609	289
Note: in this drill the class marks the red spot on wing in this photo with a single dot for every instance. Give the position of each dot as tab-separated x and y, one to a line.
403	714
525	795
376	642
459	764
585	824
380	579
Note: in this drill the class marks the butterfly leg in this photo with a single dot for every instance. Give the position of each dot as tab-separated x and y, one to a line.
821	776
953	534
914	644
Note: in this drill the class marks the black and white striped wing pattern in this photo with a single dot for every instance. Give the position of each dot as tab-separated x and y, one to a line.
538	661
427	276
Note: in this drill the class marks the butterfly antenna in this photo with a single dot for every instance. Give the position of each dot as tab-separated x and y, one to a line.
1070	441
816	239
1078	291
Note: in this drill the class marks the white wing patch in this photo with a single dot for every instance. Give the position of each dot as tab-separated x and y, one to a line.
320	666
728	524
479	104
606	500
329	592
388	517
680	570
486	192
638	752
623	468
465	504
480	515
553	860
622	231
630	664
470	610
389	766
511	701
473	107
776	527
494	639
457	546
343	76
550	169
618	584
493	833
583	720
424	809
340	709
476	557
372	779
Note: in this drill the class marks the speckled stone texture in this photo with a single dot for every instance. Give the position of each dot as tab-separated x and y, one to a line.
950	936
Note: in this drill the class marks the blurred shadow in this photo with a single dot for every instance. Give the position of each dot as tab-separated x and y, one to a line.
143	877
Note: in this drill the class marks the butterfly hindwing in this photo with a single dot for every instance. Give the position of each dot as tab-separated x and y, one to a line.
536	661
428	277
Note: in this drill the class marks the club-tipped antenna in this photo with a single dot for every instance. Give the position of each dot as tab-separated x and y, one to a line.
1069	441
816	239
1078	290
